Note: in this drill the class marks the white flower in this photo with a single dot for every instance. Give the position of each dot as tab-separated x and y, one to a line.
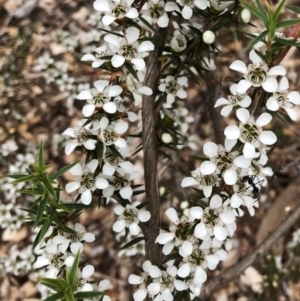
85	181
284	99
250	132
234	100
128	48
115	9
130	217
100	97
155	11
257	74
179	236
97	58
178	42
81	137
174	88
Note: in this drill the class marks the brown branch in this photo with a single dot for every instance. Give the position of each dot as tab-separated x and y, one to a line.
229	274
149	116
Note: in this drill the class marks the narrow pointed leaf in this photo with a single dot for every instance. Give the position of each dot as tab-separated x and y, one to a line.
41	155
62	171
132	242
49	187
82	295
278	10
54	297
72	275
287	23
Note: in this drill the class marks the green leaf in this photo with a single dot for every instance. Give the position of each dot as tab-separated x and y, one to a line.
131	70
82	295
278	10
59	284
33	191
287	42
114	150
26	179
259	38
72	275
41	155
132	242
170	257
40	211
49	187
54	297
16	176
296	9
287	23
100	151
256	13
261	8
69	295
62	171
76	206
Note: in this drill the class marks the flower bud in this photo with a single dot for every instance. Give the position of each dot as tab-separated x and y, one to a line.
166	138
208	37
245	15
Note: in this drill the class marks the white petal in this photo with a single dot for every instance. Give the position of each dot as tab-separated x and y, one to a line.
72	186
88	57
132	117
163	238
232	132
119	225
263	119
196	212
221	102
277	70
243	115
220	233
227	217
121	127
239	66
146	46
163	21
187	12
181	94
76	247
270	84
215	202
70	147
144	215
88	237
119	209
117	60
243	86
210	149
294	97
167	295
171	213
200	275
212	261
41	261
242	162
207	168
69	132
108	169
126	192
121	143
88	110
134	229
168	248
110	107
292	113
246	102
87	271
115	91
87	288
104	285
101	183
184	270
283	84
89	144
132	34
86	197
132	13
186	249
207	190
145	90
102	5
154	271
222	254
267	137
127	166
179	285
134	279
230	177
236	201
100	85
189	181
153	288
83	95
200	231
255	58
140	295
226	110
138	63
272	104
229	144
249	151
107	20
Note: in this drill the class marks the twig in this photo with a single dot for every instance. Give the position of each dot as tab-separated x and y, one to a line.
149	116
229	274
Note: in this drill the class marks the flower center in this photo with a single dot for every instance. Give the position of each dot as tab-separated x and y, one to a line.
130	215
102	53
208	180
58	260
156	11
183	231
196	258
119	11
224	160
167	280
210	217
257	75
128	51
111	157
249	132
281	97
82	136
172	87
120	182
109	136
100	99
87	180
235	99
